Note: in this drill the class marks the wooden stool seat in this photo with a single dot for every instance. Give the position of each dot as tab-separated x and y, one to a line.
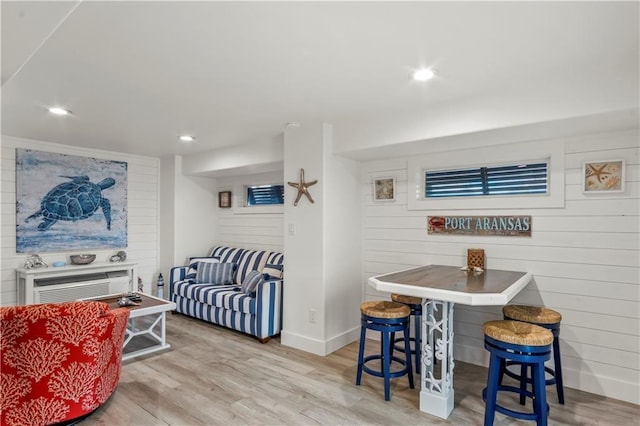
549	319
524	343
387	318
518	333
407	300
532	314
384	309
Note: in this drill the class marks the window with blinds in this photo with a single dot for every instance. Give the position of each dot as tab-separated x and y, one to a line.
517	179
265	195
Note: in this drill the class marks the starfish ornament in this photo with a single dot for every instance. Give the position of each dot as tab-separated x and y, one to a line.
303	188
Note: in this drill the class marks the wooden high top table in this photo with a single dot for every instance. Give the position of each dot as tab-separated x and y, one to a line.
440	287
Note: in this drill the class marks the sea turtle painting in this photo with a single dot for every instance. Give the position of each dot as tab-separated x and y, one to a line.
73	201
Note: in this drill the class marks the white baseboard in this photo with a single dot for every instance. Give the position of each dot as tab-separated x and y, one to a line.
304	343
319	347
342	339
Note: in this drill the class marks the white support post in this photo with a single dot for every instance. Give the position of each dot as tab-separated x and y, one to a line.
436	394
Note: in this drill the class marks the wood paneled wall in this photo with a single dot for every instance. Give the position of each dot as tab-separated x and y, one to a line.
249	228
143	181
584	257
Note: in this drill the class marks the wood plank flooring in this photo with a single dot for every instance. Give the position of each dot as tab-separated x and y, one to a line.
215	376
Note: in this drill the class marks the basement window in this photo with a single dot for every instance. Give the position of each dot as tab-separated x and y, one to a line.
513	179
507	176
265	195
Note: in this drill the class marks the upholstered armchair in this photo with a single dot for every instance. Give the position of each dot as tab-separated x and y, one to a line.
58	362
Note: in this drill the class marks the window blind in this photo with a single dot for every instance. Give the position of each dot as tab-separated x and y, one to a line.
261	195
517	179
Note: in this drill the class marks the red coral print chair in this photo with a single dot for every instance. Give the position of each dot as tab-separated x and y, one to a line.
58	362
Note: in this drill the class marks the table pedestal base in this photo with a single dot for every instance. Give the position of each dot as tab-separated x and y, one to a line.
436	385
436	404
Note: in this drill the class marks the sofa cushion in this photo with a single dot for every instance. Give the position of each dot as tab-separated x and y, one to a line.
215	273
251	281
218	251
226	296
275	258
250	260
193	265
232	255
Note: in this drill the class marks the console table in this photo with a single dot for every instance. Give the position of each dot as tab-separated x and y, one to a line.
72	282
440	287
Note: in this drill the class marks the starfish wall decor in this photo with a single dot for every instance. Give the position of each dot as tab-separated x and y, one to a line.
303	188
602	176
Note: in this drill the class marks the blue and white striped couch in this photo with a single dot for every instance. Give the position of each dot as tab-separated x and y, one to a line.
259	315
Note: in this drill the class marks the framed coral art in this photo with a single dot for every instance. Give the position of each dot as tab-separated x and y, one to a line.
66	202
603	176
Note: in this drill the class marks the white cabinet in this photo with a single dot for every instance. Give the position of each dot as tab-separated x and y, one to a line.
72	282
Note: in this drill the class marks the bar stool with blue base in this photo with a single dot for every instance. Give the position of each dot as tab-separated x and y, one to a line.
387	318
549	319
528	344
415	304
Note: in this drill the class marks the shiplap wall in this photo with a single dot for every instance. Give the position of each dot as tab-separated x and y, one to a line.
584	258
248	227
143	181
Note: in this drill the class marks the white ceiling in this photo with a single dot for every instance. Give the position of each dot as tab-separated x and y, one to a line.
138	74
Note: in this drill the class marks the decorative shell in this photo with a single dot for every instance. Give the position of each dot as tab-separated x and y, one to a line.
82	259
120	256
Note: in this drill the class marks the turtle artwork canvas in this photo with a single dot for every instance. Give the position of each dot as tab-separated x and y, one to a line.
67	202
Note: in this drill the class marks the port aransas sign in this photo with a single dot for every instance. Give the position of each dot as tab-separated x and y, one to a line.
512	226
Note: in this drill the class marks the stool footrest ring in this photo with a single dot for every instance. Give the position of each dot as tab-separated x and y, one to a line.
513	375
398	344
379	373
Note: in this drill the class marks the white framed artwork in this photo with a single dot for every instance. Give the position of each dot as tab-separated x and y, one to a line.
603	176
384	188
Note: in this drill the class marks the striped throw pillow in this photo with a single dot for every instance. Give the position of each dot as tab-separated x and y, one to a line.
273	271
251	282
193	265
215	273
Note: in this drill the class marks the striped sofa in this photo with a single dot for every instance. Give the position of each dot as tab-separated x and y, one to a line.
225	305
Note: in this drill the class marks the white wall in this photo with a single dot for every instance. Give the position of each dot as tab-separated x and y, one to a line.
194	214
322	290
584	257
235	160
303	289
342	247
143	213
167	219
258	227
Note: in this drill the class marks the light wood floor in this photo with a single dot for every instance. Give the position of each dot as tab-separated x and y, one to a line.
214	376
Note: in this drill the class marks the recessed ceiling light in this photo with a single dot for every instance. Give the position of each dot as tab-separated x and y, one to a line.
423	74
59	111
187	138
